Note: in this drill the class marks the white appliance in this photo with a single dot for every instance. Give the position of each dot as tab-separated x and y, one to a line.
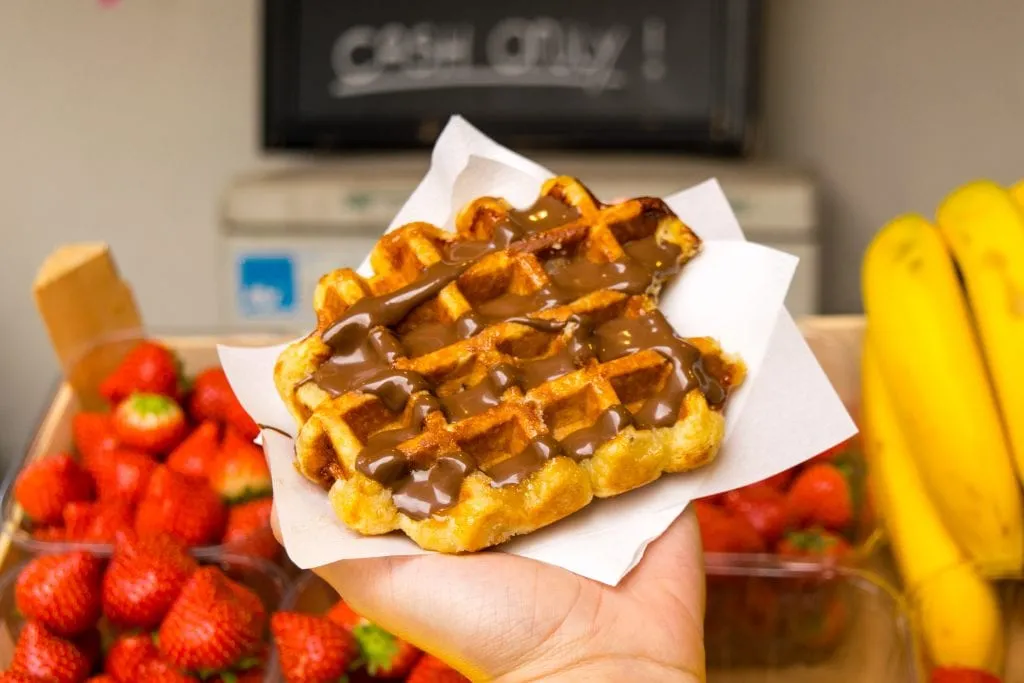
282	231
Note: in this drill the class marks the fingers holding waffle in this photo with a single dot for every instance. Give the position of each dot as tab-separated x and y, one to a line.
488	382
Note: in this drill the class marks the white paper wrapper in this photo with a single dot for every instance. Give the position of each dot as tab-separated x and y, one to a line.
785	412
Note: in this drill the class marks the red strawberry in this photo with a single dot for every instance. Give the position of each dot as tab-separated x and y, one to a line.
149	368
47	657
961	675
240	472
101	678
51	534
160	671
430	669
386	655
46	485
196	453
127	655
344	616
213	399
821	495
724	532
122	475
183	507
813	543
779	481
143	580
762	506
12	677
97	522
93	434
311	649
230	629
248	530
61	592
150	423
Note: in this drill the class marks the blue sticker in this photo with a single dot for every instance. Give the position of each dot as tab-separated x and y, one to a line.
266	284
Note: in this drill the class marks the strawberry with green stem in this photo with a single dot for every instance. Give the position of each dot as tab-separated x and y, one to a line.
240	472
384	654
813	543
150	422
46	485
821	495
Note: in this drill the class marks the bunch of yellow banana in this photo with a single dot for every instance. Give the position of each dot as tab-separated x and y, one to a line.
944	410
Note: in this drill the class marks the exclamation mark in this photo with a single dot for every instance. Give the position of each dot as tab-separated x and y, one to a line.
654	48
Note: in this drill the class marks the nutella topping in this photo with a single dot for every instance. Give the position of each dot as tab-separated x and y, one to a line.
660	258
512	305
426	492
380	458
546	213
622	336
486	394
581	276
429	337
527	461
583	443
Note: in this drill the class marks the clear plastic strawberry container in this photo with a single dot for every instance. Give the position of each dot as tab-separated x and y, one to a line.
266	580
78	390
761	618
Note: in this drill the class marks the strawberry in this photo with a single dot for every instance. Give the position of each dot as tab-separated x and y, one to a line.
230	629
149	368
160	671
150	423
101	678
430	669
344	616
12	677
50	534
127	655
183	507
251	602
813	543
955	674
779	482
248	530
46	485
196	453
97	522
61	592
122	475
46	657
821	495
240	471
386	655
93	434
143	580
724	532
311	649
213	399
762	506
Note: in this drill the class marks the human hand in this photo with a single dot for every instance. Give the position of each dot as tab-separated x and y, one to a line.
500	617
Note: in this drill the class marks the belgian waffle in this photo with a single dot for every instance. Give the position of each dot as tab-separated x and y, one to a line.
488	382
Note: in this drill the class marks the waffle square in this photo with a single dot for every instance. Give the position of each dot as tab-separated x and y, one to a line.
485	383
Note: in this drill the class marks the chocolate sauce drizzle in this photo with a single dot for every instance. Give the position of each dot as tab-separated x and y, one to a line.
364	347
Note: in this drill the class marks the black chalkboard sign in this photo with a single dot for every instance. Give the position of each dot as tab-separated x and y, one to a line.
570	73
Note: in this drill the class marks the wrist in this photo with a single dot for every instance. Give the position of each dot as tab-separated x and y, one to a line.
602	669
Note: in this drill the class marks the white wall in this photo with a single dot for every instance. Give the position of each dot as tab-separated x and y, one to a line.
127	123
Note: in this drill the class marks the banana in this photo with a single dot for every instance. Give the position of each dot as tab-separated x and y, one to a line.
984	227
1018	192
956	612
930	358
